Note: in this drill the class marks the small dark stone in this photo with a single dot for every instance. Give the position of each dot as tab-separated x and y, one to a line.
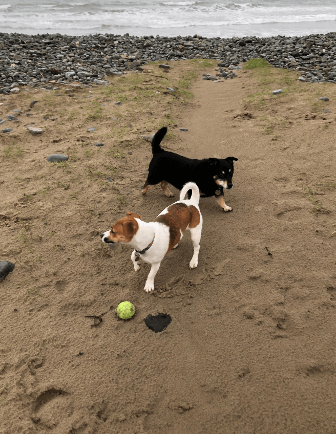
326	111
98	144
324	98
183	129
57	158
5	268
110	179
11	118
158	322
31	105
90	130
7	130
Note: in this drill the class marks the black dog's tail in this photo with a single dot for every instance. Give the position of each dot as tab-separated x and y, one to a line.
157	139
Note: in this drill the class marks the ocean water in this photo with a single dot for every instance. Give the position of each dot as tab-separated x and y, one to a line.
210	18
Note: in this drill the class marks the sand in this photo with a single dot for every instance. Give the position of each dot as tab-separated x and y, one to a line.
251	344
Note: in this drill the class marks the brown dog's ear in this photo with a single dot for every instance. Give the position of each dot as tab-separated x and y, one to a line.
130	228
131	214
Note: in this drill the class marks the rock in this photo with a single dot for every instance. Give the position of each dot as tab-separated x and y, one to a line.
98	144
31	105
15	90
7	130
109	179
276	92
164	66
183	129
91	130
35	130
57	158
2	121
326	111
12	118
323	98
302	79
158	322
170	89
117	103
6	267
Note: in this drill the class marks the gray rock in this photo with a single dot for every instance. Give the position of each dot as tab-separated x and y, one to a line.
326	111
98	144
7	130
91	130
302	79
57	158
110	179
117	103
12	118
170	89
164	66
323	98
35	130
276	92
6	267
2	121
183	129
31	105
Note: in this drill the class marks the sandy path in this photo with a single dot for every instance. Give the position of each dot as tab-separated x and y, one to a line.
251	345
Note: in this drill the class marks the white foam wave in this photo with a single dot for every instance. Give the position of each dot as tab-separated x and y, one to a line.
4	7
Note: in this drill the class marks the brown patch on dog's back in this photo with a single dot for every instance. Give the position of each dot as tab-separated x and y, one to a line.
178	218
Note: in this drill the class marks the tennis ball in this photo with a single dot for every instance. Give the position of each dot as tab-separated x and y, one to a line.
125	310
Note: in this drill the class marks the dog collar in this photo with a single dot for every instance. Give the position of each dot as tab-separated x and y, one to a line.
141	252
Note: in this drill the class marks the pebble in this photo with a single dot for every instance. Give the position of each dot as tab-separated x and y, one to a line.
302	79
7	130
183	129
90	130
326	111
35	130
89	59
57	158
170	89
110	179
276	92
12	118
117	103
6	267
98	144
323	98
2	121
31	105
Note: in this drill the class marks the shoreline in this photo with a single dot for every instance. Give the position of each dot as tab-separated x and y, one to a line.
30	60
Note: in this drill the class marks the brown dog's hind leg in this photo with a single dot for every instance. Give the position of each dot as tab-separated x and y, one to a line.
145	188
222	204
164	186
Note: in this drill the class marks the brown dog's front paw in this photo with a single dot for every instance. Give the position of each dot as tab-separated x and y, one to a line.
227	209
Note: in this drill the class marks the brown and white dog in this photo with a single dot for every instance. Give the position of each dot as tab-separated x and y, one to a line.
152	241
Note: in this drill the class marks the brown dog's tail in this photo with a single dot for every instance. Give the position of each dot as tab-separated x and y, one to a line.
157	139
195	195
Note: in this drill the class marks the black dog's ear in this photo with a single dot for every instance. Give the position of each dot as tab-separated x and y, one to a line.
231	159
213	161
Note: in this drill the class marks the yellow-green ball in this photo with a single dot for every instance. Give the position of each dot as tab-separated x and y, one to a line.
125	310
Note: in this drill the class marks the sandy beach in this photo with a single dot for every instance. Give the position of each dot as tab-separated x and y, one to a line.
251	344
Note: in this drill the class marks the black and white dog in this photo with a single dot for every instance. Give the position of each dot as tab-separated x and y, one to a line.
212	175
